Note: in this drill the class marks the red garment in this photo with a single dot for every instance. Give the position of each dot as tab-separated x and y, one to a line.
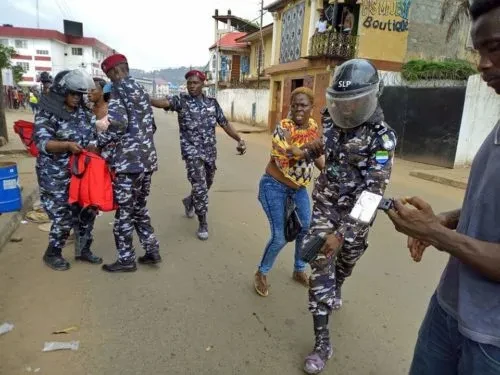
91	182
25	131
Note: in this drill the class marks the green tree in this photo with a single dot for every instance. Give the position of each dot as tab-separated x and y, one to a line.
454	12
18	72
6	54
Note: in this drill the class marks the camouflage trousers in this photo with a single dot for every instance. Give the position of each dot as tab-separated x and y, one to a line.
131	192
65	217
328	274
201	175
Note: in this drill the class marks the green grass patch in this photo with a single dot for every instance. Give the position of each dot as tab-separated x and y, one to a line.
417	70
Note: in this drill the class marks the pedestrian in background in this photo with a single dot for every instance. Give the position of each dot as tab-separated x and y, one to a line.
33	102
198	118
296	148
130	127
64	127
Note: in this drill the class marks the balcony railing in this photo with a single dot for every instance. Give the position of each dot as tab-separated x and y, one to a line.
333	44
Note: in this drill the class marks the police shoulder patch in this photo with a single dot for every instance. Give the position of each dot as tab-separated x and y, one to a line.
386	137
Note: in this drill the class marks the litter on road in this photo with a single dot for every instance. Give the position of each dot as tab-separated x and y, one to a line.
6	327
53	346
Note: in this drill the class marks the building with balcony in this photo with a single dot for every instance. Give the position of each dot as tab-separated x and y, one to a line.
311	37
41	50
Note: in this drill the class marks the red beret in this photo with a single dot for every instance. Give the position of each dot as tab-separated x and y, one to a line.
196	73
112	61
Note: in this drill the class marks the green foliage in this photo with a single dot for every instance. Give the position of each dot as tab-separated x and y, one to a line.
458	70
6	54
18	72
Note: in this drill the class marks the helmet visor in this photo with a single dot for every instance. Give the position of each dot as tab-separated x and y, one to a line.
351	110
78	81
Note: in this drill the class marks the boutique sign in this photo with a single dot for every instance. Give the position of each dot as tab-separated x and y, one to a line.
383	29
386	15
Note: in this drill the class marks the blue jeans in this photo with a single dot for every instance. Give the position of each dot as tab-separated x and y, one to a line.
442	350
272	196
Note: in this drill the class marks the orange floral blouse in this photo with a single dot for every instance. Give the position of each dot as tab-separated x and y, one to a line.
288	134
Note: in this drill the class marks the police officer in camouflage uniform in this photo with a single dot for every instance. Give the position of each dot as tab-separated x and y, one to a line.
63	127
130	126
359	150
198	118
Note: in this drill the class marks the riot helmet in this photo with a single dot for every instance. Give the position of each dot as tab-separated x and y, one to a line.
77	81
45	77
353	97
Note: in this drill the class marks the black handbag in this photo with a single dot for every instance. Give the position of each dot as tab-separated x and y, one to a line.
311	250
293	226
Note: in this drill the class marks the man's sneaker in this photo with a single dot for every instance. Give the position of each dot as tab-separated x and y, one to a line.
337	301
188	207
150	258
120	266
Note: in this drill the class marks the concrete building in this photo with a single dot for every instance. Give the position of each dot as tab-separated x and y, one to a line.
41	50
387	32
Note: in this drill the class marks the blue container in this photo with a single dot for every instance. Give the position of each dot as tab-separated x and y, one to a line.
10	191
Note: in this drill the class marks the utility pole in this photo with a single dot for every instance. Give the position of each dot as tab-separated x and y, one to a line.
37	15
260	55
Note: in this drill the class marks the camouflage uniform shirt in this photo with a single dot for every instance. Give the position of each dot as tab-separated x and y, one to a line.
53	169
131	128
198	118
356	160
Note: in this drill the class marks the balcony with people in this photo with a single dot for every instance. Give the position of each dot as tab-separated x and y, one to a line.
335	34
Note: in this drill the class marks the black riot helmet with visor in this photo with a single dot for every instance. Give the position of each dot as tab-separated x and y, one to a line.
77	81
353	97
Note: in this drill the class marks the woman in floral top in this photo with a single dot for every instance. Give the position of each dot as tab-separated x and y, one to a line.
296	148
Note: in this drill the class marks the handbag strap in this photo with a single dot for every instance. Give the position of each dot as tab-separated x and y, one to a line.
74	167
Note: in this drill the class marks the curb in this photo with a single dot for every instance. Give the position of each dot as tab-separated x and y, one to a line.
10	223
22	152
439	180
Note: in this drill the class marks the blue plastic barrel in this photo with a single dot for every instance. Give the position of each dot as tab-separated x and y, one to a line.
10	191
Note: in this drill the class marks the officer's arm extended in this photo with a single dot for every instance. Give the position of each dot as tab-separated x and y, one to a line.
228	128
118	123
45	134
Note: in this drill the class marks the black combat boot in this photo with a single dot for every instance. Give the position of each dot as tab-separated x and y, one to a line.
120	266
150	258
53	258
203	228
188	207
86	255
316	361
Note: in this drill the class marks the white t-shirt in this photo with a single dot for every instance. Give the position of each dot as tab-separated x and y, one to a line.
322	26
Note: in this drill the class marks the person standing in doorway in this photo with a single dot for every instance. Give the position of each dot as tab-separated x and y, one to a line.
198	118
130	127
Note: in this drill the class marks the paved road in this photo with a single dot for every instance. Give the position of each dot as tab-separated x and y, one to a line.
198	313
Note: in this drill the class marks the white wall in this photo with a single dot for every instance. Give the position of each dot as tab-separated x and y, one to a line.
243	100
480	115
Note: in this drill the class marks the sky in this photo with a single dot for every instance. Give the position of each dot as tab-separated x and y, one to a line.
149	32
